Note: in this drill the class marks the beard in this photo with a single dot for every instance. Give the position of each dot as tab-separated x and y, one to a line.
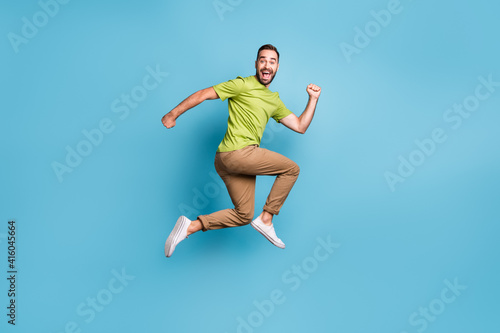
263	81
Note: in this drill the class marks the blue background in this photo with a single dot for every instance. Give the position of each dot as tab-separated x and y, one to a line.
113	212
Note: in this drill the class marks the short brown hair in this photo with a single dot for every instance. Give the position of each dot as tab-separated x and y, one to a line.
268	47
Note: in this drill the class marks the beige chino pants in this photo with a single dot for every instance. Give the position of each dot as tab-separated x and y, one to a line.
238	169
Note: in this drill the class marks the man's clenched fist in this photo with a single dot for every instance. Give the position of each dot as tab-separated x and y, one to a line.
168	120
313	90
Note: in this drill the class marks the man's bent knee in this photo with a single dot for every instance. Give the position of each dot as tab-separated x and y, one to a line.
295	170
245	217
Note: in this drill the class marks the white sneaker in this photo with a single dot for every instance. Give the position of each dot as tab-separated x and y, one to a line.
268	232
178	234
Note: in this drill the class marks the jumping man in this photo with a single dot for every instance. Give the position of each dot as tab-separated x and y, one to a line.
239	159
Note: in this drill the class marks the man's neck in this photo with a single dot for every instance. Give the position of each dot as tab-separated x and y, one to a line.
267	86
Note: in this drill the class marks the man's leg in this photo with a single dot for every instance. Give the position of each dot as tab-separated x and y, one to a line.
261	161
241	189
266	217
266	162
195	226
238	170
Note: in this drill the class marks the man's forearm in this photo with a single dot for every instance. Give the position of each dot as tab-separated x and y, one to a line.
308	114
169	119
188	103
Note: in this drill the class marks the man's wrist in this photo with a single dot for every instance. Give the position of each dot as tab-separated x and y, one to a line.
174	114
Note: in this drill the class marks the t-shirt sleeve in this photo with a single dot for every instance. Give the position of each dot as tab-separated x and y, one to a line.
281	112
230	88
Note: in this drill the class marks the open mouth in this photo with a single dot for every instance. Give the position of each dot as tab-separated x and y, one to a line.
266	75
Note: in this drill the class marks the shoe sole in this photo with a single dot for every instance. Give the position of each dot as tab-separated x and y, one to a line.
172	238
263	233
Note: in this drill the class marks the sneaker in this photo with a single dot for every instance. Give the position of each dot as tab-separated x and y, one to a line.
177	235
268	232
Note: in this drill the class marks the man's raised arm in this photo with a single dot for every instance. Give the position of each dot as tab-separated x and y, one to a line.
168	120
300	124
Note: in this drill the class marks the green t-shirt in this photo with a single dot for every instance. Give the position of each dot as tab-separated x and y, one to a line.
250	105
